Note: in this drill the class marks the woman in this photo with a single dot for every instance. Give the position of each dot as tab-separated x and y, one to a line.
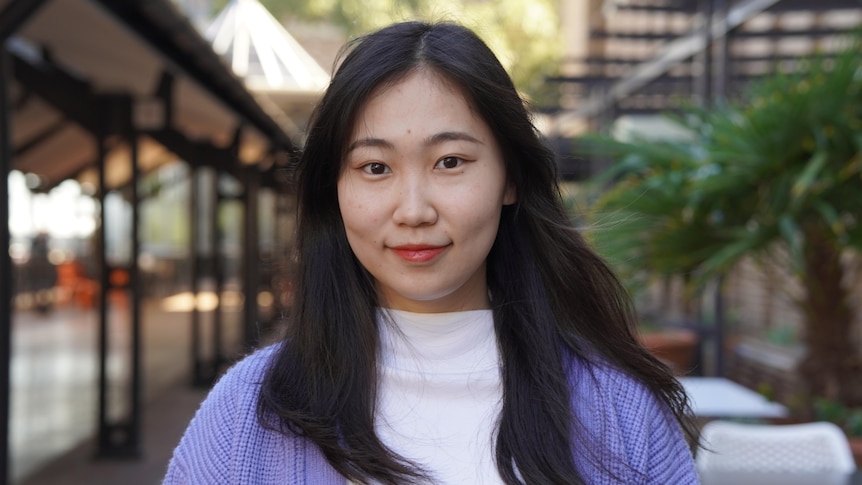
449	325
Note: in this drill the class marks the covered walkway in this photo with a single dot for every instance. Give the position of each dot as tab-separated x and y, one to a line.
168	415
54	395
130	101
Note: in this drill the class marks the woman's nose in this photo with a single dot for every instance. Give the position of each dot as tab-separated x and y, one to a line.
415	205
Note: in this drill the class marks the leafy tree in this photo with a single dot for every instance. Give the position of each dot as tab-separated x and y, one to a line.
776	177
525	34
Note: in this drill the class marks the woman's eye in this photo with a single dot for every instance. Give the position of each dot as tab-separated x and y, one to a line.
450	162
375	168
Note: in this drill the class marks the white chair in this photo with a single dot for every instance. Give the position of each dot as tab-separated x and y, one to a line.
786	448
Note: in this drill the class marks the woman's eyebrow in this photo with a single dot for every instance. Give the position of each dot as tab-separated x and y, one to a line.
435	139
369	142
445	136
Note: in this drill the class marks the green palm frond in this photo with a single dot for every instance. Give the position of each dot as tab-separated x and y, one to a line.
752	174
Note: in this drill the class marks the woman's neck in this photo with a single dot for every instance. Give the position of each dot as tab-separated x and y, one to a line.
438	342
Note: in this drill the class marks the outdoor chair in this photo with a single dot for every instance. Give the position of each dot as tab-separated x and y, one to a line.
782	448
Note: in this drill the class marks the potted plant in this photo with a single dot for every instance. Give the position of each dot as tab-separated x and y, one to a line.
673	346
774	178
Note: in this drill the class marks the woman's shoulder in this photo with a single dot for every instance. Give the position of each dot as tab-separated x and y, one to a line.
249	371
224	429
235	392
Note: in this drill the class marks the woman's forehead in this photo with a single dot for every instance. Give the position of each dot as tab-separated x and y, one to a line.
436	79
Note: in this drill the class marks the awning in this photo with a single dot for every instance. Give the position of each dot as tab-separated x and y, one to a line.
72	54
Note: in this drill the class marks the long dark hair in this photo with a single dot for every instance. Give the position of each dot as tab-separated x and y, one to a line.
553	299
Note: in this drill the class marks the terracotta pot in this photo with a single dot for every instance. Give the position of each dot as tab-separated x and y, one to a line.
856	448
674	347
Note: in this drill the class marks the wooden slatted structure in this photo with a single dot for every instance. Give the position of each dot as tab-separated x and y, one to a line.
104	91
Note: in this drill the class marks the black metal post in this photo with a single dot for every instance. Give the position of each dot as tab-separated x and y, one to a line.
251	259
722	51
206	370
217	236
102	155
133	425
198	378
718	326
119	438
5	260
703	59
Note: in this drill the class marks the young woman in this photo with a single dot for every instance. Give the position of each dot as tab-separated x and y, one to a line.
450	326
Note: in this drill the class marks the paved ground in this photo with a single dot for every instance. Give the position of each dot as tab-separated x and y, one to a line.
166	418
54	374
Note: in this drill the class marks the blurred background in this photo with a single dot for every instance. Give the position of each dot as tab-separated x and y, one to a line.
710	149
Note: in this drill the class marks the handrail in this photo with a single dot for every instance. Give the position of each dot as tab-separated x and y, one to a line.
673	53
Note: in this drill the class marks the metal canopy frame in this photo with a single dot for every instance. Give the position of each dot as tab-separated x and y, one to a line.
104	120
706	45
159	24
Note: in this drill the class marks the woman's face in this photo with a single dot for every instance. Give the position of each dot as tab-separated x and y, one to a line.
420	193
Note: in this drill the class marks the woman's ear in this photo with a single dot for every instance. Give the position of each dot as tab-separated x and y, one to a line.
510	196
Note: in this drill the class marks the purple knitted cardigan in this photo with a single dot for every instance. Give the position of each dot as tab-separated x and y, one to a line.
224	444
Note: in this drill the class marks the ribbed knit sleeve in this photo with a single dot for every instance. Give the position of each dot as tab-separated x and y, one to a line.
225	444
655	442
636	439
213	442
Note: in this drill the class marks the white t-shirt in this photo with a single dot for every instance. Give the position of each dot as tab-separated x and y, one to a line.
440	392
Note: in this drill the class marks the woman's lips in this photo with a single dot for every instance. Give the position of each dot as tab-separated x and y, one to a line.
418	253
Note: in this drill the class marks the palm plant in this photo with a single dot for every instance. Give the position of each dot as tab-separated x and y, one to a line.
777	175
